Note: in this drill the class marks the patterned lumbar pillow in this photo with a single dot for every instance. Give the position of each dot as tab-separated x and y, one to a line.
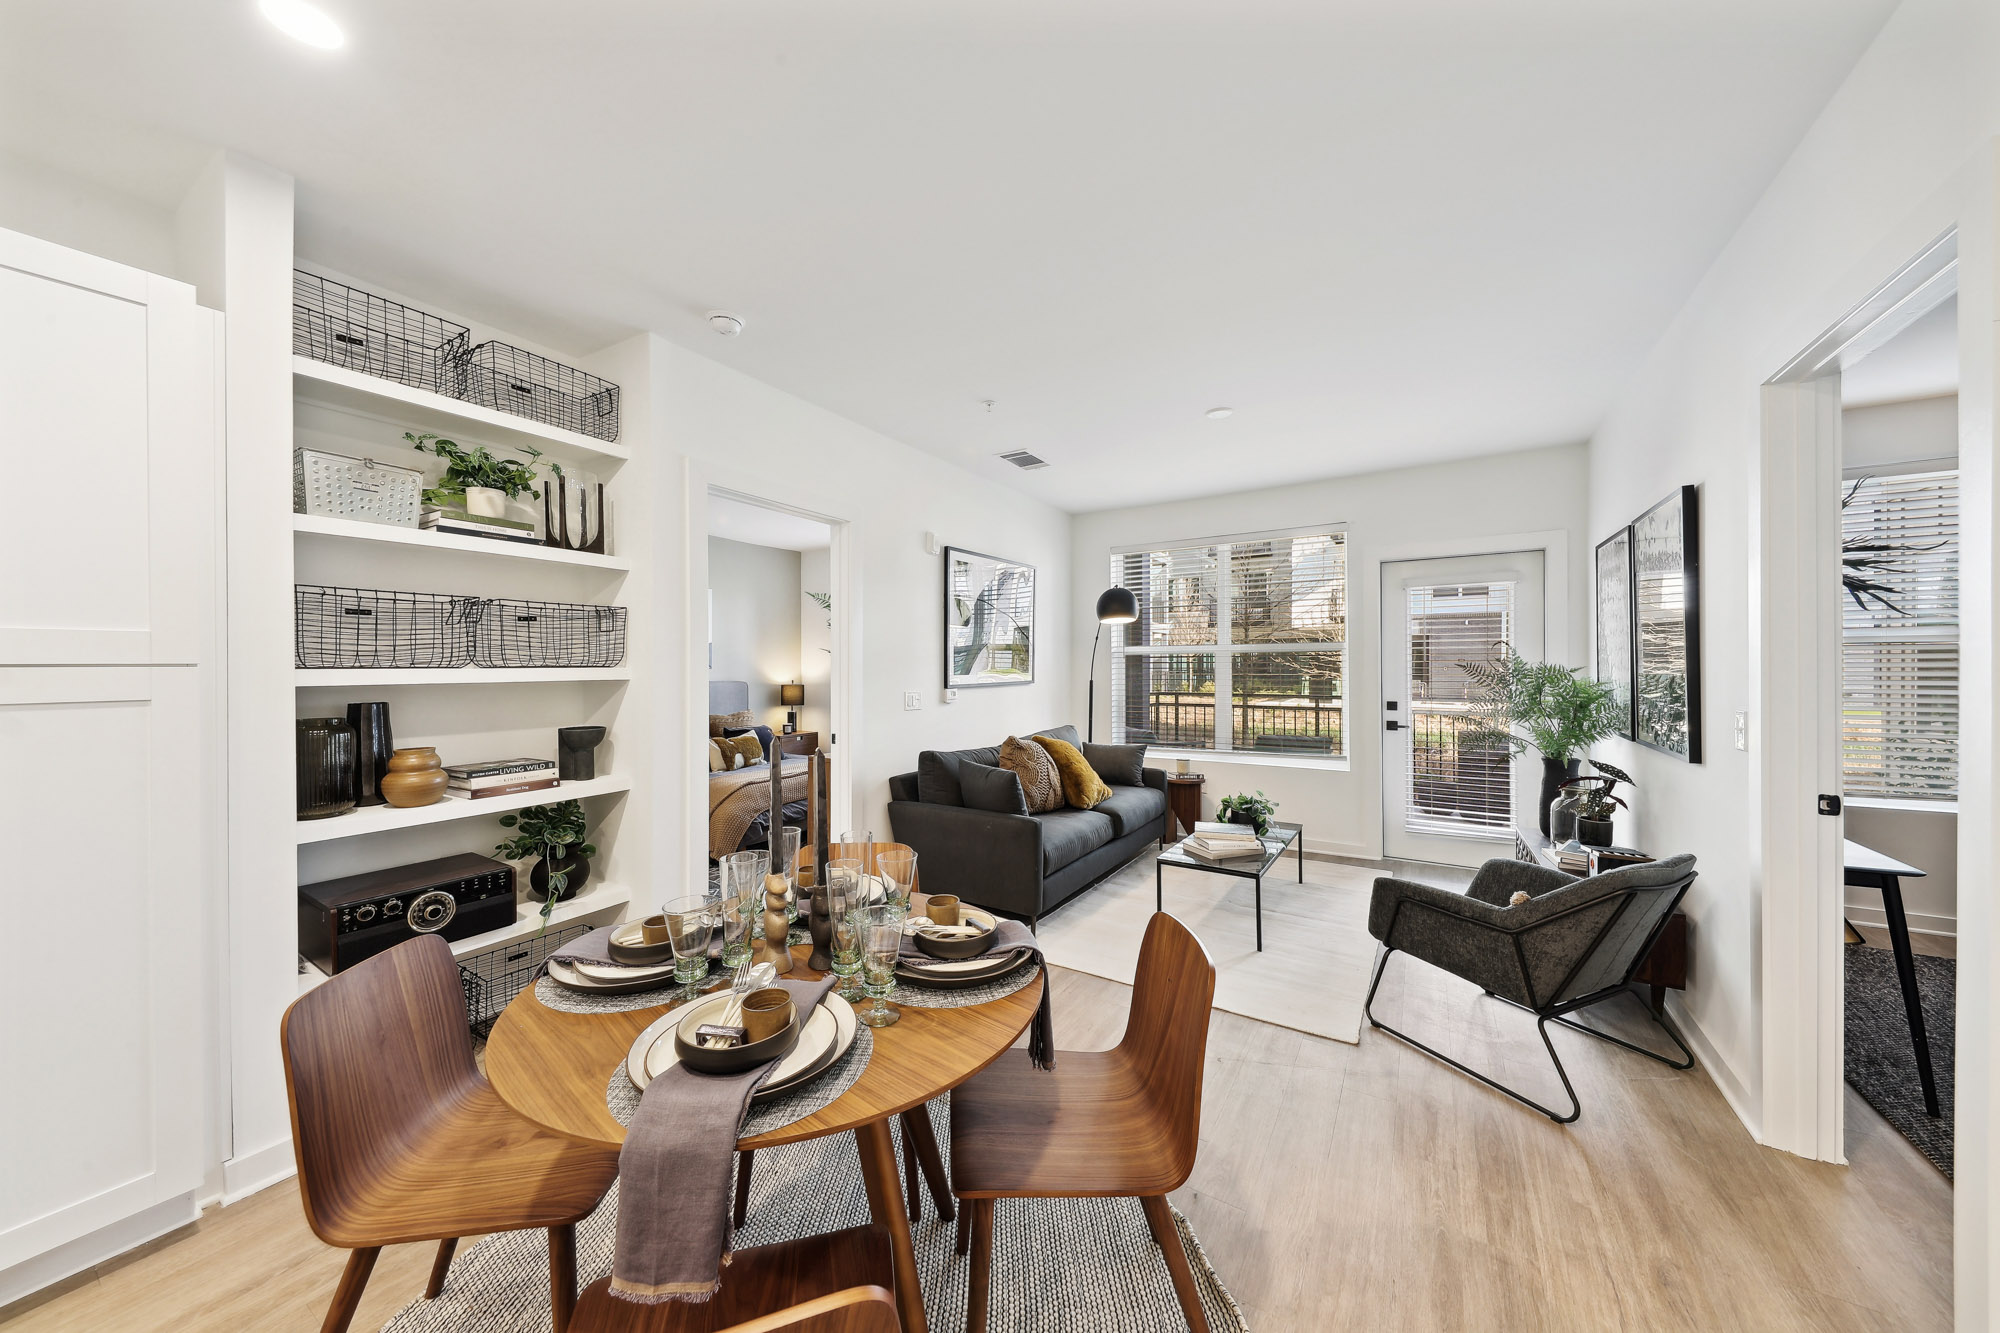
719	722
1081	786
1041	784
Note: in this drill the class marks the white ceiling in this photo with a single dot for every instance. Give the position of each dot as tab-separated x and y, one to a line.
1919	362
1384	231
742	522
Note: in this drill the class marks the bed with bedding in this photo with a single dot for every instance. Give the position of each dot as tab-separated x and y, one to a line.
739	799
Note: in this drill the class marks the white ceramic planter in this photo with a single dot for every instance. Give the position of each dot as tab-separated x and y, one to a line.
485	502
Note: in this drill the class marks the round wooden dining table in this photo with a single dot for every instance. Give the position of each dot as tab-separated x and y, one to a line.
553	1067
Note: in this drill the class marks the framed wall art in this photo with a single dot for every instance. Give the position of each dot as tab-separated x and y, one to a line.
1666	583
989	620
1617	629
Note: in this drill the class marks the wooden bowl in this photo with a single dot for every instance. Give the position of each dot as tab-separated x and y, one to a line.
955	947
736	1059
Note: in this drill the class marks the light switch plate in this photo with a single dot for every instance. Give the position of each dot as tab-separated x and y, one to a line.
912	700
1742	731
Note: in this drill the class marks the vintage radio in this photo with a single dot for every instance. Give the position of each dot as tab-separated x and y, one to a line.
342	921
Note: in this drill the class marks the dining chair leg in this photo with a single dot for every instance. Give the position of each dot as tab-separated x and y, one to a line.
885	1207
1160	1218
744	1161
346	1296
912	1187
917	1127
440	1267
963	1245
980	1292
562	1275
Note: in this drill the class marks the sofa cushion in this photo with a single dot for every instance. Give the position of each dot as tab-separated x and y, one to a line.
1065	733
1081	787
1041	782
988	788
1118	765
937	773
1070	834
1132	808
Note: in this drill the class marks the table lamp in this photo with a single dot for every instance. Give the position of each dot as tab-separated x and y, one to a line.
791	696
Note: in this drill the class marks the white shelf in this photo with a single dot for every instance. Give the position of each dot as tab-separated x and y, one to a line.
342	529
307	678
594	898
387	818
420	409
311	977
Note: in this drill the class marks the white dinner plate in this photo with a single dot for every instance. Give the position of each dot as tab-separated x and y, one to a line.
826	1038
613	972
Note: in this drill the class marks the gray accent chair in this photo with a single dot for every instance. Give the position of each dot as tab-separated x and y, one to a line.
1574	943
1021	864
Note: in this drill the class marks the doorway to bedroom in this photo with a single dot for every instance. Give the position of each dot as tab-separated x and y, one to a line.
771	663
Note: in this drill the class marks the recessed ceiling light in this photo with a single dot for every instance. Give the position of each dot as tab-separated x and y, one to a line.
1218	413
724	323
308	23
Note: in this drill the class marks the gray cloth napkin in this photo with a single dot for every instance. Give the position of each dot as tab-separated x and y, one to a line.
1008	937
595	947
674	1172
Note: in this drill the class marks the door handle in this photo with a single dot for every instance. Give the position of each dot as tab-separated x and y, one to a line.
1393	725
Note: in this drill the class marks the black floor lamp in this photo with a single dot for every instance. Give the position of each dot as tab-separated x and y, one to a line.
1115	606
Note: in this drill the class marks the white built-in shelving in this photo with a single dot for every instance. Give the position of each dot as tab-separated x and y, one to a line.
385	818
595	900
312	677
348	530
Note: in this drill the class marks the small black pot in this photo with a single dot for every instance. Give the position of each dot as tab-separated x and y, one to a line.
1554	774
579	875
1245	817
1593	832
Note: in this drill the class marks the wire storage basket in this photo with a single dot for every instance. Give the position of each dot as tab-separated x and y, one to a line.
507	379
362	627
549	634
345	326
493	977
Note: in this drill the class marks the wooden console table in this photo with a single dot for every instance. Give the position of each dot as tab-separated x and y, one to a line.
1666	966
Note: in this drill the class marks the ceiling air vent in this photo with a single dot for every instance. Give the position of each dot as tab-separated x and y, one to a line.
1024	460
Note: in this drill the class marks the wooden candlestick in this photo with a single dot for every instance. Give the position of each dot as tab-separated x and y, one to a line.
773	948
819	913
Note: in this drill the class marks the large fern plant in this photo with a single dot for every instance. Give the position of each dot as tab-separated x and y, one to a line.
1554	710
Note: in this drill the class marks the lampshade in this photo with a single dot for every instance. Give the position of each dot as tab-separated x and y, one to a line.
791	696
1117	606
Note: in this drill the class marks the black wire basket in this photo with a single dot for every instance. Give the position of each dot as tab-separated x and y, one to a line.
548	634
493	977
345	326
362	627
508	379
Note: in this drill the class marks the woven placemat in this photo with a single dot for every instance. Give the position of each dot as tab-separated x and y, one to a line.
622	1099
564	1000
925	997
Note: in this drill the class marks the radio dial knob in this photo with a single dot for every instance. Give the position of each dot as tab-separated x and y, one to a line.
393	907
432	911
365	912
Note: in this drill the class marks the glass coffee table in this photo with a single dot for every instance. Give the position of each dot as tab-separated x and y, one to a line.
1280	839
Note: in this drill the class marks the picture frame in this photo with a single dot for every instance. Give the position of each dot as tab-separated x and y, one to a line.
989	620
1617	626
1666	582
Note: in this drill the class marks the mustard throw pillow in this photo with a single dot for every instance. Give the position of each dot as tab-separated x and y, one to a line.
1081	786
1041	784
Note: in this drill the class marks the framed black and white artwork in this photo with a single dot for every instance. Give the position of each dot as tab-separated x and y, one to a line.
1666	583
1616	627
989	620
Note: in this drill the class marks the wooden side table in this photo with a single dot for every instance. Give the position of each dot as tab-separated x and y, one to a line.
1183	804
797	742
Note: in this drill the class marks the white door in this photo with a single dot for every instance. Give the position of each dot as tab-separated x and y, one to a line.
1445	798
109	792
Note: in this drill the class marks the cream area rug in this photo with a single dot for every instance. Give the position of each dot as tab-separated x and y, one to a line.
1312	975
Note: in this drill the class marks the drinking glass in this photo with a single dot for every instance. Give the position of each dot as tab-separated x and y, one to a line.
742	903
690	926
880	932
787	851
860	846
844	893
897	869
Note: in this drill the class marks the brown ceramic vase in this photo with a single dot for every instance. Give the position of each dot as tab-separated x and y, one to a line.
415	778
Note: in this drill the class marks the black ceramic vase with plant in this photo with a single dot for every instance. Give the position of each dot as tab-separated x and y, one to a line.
554	833
1554	710
1256	811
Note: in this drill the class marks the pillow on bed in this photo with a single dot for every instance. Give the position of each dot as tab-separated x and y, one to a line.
741	751
763	734
717	722
717	761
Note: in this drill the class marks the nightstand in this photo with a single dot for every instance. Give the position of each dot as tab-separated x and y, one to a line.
798	742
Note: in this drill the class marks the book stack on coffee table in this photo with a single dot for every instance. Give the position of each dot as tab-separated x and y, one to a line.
1222	842
500	777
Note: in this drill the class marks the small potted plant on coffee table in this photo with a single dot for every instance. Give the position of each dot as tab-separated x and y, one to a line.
1256	811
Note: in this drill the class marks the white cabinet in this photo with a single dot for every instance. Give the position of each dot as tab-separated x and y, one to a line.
109	795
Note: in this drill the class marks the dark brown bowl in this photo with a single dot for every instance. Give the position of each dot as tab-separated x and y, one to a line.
736	1059
965	946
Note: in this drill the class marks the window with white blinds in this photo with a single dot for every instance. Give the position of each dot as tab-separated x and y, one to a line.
1899	642
1458	785
1239	645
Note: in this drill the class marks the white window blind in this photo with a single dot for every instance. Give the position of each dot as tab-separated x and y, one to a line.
1239	645
1457	787
1899	647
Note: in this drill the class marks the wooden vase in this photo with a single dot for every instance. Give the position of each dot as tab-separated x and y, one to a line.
774	948
415	778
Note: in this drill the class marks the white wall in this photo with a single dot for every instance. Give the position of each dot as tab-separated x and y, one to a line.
1908	432
815	642
1442	509
87	217
1902	153
756	628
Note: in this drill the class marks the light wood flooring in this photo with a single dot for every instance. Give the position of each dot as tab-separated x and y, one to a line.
1344	1187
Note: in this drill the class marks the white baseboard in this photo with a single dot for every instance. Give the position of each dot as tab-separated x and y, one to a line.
1921	923
46	1269
1713	1064
247	1173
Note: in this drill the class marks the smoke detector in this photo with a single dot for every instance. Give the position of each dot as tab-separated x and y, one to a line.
1024	460
1218	413
724	323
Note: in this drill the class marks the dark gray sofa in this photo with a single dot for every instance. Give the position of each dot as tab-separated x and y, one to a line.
1020	864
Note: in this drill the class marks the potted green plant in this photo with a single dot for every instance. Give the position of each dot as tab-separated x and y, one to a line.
475	479
1554	710
1594	812
555	834
1256	811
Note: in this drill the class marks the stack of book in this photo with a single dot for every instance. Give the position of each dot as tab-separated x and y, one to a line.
459	523
500	777
1572	857
1222	842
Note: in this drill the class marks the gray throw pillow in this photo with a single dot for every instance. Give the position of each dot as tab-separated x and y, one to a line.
937	773
1119	765
989	788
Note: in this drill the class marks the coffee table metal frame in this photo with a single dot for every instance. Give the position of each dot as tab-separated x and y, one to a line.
1281	838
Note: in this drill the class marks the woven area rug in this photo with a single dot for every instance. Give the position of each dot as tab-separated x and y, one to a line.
1061	1265
1882	1065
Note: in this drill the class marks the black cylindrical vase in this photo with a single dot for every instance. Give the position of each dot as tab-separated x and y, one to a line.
1555	772
375	745
326	763
576	752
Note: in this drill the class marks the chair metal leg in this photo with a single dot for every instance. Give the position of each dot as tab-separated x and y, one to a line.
1160	1220
1541	1026
440	1267
346	1296
562	1276
1659	1020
